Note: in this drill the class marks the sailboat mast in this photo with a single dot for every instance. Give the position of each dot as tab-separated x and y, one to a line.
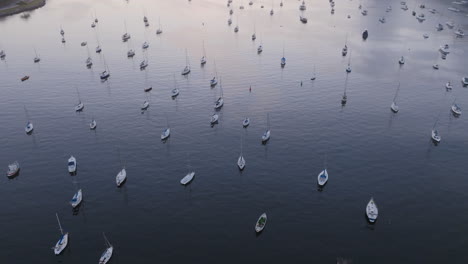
60	226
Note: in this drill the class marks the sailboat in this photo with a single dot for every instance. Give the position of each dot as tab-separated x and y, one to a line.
77	198
2	54
236	29
72	165
372	211
89	61
214	81
186	70
79	107
125	36
344	99
143	64
283	59
394	106
214	119
260	48
106	73
229	21
266	134
322	178
63	241
93	124
401	61
175	91
107	254
61	31
36	59
345	48
159	30
121	177
220	101
145	105
166	132
203	58
314	75
246	122
29	125
435	133
241	160
302	7
348	69
188	178
145	45
456	109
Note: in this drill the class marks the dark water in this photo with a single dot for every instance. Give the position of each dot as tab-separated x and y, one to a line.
420	188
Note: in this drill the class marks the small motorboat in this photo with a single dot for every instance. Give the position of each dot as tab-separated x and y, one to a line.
303	19
456	109
130	53
203	60
143	64
84	43
174	92
444	49
105	75
401	61
322	178
213	82
186	70
29	128
125	37
121	177
214	119
448	86
25	78
254	37
365	34
145	105
72	165
394	107
79	107
148	89
459	33
465	80
440	27
166	134
372	211
435	135
98	49
13	169
77	198
145	45
188	178
219	103
246	122
93	125
266	136
435	66
260	49
261	223
241	162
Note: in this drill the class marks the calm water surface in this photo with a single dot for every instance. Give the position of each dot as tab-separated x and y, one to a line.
420	188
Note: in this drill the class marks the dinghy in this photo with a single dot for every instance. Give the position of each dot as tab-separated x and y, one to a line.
372	211
261	223
450	24
246	122
426	36
165	134
459	33
107	254
13	169
174	92
382	20
93	125
364	12
145	105
214	119
77	198
72	165
456	109
322	178
188	178
121	177
63	241
435	135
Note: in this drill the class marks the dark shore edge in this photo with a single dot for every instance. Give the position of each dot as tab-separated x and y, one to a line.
22	8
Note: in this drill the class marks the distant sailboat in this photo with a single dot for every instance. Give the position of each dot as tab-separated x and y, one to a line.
241	160
283	59
107	254
93	124
29	125
121	177
372	212
220	101
345	48
159	30
435	133
394	107
37	58
76	199
314	75
203	58
175	91
167	132
344	99
214	81
266	134
106	73
79	107
125	36
186	70
348	69
456	110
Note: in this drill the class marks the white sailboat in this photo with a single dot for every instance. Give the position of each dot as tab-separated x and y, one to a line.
456	109
175	91
143	64
121	177
63	241
401	61
241	160
220	101
106	73
159	31
283	59
448	86
372	211
145	45
246	122
93	124
77	198
125	36
29	125
13	169
348	69
394	107
72	164
186	70
344	51
344	99
145	105
107	254
37	58
80	106
203	58
435	133
214	119
167	132
322	178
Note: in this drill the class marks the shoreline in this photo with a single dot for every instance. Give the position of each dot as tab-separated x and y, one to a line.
21	6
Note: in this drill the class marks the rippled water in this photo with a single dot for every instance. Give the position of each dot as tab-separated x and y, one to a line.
420	188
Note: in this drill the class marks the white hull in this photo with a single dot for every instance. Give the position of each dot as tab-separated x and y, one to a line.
165	134
214	119
322	178
188	178
372	211
241	162
246	122
121	177
260	226
394	107
266	136
77	198
72	165
61	244
107	255
435	135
